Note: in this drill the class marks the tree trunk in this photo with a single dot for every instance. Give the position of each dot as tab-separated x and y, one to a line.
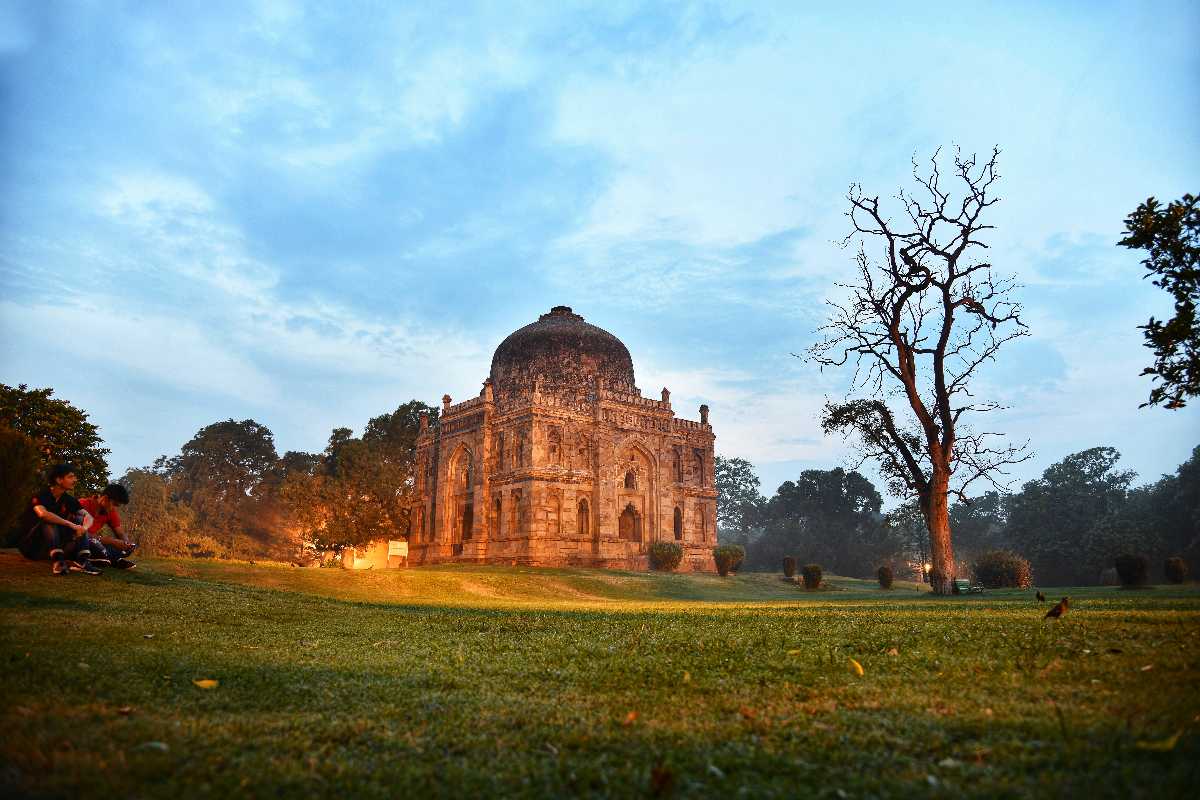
937	518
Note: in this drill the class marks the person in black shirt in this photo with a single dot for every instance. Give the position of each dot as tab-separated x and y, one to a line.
56	525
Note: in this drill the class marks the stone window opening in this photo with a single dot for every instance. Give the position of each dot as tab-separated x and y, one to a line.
583	523
678	524
699	455
678	465
630	480
498	516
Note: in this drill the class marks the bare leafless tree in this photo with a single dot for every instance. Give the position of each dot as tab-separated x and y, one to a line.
921	319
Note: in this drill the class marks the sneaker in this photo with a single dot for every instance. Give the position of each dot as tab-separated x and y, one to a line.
83	566
124	563
59	568
100	562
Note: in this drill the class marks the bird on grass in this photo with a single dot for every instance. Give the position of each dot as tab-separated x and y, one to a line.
1059	609
1041	597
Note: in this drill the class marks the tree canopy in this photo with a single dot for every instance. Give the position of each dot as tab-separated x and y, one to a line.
739	501
1171	236
60	431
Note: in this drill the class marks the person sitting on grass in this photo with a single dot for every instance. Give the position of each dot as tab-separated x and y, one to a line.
50	531
114	549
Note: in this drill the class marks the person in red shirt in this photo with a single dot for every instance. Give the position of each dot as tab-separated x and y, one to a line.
114	549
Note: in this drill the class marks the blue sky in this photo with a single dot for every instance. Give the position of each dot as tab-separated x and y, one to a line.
309	213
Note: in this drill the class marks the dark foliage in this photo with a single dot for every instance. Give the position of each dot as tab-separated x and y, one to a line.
1175	569
812	576
1133	569
739	556
885	576
1171	237
725	556
665	556
1002	569
20	463
60	431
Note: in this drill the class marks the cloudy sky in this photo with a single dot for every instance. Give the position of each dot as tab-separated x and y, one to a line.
307	214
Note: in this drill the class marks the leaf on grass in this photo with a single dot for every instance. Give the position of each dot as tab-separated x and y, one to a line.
1147	668
856	667
1160	745
687	677
795	652
159	747
747	712
147	635
893	652
125	711
207	683
630	718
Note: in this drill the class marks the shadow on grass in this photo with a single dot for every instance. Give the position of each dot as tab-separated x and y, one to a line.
21	600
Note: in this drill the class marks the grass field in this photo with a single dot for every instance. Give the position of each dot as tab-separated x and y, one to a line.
474	681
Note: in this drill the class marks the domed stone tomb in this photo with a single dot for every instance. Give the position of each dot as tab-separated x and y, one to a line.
561	461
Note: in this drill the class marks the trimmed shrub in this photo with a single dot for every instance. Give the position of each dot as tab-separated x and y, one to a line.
1133	569
1002	569
665	556
725	555
789	566
738	557
1176	569
812	576
886	578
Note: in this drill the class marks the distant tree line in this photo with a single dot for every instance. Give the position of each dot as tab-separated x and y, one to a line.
1071	523
228	492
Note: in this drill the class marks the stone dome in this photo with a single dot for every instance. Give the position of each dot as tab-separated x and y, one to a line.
565	354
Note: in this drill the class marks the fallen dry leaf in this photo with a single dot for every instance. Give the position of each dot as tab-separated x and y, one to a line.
125	711
1160	745
1147	668
893	652
747	712
856	667
630	718
207	683
147	635
687	677
795	652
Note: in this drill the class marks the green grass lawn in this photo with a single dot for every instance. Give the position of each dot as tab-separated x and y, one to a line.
495	681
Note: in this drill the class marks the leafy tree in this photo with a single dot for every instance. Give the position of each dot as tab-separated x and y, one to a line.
160	524
739	501
828	516
978	524
60	431
1061	520
19	463
907	525
1171	237
358	490
918	324
219	474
